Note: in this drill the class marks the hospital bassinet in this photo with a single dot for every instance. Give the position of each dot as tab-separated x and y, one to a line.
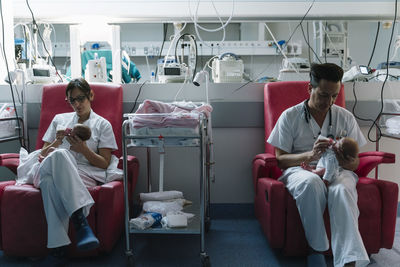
163	130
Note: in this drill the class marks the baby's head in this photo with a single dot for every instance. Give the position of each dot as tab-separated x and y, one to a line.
348	146
82	131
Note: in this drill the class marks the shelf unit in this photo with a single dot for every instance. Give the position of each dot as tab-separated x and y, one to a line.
201	221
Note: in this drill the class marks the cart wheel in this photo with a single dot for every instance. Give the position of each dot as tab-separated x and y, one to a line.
205	261
207	224
130	261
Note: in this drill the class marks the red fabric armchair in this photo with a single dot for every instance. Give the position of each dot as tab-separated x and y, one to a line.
22	220
276	209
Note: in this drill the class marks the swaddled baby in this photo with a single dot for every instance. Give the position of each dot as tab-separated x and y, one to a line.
345	149
80	130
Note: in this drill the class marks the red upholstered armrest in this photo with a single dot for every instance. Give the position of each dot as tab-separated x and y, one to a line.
265	165
110	214
369	160
389	193
10	160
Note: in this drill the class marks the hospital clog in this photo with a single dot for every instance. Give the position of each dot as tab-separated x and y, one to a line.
86	240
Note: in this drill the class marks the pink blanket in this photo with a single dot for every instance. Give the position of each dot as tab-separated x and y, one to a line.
183	114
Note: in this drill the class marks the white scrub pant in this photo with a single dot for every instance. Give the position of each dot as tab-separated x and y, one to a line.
311	196
63	193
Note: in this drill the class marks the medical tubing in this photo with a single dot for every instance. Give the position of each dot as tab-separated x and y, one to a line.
280	49
195	17
196	26
183	85
169	49
171	44
195	45
40	35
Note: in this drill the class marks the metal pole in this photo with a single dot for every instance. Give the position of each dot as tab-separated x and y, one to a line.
126	198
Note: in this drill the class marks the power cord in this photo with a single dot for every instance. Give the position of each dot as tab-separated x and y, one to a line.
137	96
301	21
9	78
376	38
375	122
308	44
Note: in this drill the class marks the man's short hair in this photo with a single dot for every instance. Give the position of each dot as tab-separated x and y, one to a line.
326	71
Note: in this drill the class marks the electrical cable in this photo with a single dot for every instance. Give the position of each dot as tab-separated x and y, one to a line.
325	34
309	48
304	36
375	122
298	25
165	30
137	96
376	38
280	49
20	138
195	45
41	38
354	108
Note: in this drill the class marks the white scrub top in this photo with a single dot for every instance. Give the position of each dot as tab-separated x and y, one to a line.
293	134
102	137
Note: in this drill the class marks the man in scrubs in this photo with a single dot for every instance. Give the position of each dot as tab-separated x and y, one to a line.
296	142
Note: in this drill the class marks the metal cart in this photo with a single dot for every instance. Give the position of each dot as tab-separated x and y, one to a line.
201	222
19	133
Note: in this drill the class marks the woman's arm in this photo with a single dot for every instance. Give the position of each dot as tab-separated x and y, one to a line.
101	160
56	143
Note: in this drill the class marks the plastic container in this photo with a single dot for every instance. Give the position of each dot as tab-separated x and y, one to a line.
7	128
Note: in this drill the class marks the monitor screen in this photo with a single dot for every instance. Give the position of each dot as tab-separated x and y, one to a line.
364	70
41	72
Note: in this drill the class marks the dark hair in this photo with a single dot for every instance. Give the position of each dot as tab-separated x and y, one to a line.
79	83
327	71
350	148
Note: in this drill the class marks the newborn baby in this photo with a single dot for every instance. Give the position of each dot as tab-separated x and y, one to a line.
345	149
80	130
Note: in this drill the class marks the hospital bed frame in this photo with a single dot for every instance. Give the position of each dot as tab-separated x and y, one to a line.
201	222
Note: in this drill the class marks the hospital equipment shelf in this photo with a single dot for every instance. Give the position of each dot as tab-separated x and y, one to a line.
198	138
15	136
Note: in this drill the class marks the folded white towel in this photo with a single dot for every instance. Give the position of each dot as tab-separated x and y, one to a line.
159	196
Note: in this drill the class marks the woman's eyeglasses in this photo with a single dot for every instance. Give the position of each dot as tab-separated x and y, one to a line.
79	99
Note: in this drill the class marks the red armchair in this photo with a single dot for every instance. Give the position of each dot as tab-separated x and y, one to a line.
276	209
23	224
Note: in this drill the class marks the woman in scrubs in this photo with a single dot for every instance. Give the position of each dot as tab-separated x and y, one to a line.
74	165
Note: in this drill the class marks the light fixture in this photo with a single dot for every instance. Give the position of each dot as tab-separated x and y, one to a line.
200	77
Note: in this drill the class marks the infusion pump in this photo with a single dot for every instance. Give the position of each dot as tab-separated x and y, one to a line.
96	70
42	74
227	68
